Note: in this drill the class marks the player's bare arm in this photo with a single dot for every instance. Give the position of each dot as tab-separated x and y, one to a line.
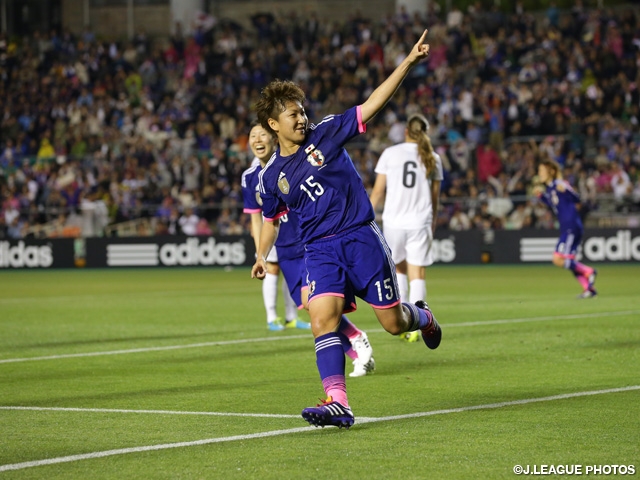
378	190
256	228
435	202
385	91
268	236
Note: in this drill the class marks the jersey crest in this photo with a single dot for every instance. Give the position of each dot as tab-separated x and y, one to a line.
314	155
283	184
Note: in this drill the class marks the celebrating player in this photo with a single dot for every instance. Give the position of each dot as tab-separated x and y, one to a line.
558	195
346	255
291	256
411	173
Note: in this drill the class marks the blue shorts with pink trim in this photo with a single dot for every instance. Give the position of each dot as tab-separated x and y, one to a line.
354	263
295	274
568	243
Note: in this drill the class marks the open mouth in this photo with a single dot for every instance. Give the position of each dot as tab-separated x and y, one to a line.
259	149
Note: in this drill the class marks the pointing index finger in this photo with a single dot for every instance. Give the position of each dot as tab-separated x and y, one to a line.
422	38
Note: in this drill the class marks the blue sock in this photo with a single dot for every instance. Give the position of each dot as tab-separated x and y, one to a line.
344	340
419	317
329	355
331	363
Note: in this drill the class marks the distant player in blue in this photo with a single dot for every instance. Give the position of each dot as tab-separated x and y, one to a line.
291	255
346	255
558	195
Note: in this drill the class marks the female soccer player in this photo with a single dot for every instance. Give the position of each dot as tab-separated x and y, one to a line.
262	145
355	342
558	195
346	256
411	173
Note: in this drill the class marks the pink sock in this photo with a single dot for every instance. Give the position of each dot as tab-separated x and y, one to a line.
336	388
351	353
348	329
582	269
584	281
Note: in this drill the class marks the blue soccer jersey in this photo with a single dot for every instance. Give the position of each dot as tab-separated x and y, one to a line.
319	182
288	241
563	205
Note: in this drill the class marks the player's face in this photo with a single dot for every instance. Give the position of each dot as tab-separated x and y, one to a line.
262	143
291	125
543	173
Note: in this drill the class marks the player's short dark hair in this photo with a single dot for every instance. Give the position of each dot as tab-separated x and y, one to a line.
274	98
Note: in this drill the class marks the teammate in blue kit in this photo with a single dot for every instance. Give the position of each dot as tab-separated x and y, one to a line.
346	255
290	258
262	144
558	195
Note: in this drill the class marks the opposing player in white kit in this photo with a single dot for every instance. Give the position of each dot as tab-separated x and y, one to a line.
411	173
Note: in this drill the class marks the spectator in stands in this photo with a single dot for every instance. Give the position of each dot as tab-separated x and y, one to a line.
489	164
621	186
459	220
102	102
188	222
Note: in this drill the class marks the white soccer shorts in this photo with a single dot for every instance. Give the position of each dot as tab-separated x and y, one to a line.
414	246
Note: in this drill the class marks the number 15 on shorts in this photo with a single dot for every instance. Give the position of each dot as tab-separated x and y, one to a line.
388	289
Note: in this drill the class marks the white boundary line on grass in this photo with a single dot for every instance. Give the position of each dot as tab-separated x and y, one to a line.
273	433
156	412
291	337
154	349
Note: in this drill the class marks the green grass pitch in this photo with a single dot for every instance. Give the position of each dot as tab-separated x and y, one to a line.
138	374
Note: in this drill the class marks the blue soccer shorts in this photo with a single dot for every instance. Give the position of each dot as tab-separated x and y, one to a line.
295	274
568	243
354	263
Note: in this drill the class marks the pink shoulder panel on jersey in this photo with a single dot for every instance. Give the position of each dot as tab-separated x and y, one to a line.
362	127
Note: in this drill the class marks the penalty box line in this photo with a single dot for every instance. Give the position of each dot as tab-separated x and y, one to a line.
274	433
296	337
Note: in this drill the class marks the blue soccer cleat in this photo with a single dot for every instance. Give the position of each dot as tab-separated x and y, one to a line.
432	333
329	413
276	325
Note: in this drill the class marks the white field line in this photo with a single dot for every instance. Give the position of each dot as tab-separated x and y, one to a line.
155	412
544	319
273	433
155	349
290	337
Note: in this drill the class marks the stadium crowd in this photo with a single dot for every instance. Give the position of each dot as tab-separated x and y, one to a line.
96	132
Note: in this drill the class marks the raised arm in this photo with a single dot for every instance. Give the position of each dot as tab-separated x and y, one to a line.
381	95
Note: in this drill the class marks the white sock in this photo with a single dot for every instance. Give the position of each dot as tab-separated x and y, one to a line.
403	287
290	307
418	290
270	295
